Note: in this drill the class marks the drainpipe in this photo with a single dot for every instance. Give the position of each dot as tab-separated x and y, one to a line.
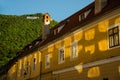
40	73
40	70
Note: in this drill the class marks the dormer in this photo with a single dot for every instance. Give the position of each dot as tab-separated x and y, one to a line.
59	28
55	31
84	15
99	5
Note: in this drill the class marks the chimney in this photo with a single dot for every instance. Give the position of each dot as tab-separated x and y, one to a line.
99	5
46	26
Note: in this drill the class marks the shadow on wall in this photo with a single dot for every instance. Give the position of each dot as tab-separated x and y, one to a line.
102	72
92	46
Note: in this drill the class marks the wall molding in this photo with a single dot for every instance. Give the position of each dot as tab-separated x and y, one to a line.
87	65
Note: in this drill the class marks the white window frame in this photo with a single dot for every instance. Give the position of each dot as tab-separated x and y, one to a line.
47	61
81	15
72	54
60	60
87	13
27	66
21	70
113	26
84	15
34	63
55	31
60	28
21	67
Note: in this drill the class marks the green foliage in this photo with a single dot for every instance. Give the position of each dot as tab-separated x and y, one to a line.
53	23
16	32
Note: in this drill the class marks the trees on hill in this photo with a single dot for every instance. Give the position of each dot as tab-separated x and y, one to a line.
16	32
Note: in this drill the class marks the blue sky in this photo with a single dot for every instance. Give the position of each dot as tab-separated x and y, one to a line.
58	9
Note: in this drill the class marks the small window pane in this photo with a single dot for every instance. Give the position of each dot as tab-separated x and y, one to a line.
21	69
82	16
34	63
111	41
116	38
47	60
61	55
116	30
74	50
113	37
27	65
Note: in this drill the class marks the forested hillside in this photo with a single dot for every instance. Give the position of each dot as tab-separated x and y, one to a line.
16	32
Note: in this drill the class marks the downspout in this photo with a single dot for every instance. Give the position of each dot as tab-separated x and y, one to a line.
40	70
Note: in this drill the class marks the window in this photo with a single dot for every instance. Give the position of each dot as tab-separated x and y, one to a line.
55	31
30	46
74	50
47	61
87	12
61	55
27	65
21	71
21	68
46	20
47	17
36	42
34	63
113	34
60	27
82	17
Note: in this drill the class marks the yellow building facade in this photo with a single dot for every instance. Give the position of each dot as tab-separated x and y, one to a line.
94	59
90	51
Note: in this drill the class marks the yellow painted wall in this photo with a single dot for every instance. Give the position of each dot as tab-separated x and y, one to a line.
92	46
35	73
12	74
31	72
47	76
18	70
14	71
109	71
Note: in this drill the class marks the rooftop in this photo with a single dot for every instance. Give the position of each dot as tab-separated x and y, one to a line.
71	23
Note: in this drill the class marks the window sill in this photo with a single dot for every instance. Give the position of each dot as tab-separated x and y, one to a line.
113	47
